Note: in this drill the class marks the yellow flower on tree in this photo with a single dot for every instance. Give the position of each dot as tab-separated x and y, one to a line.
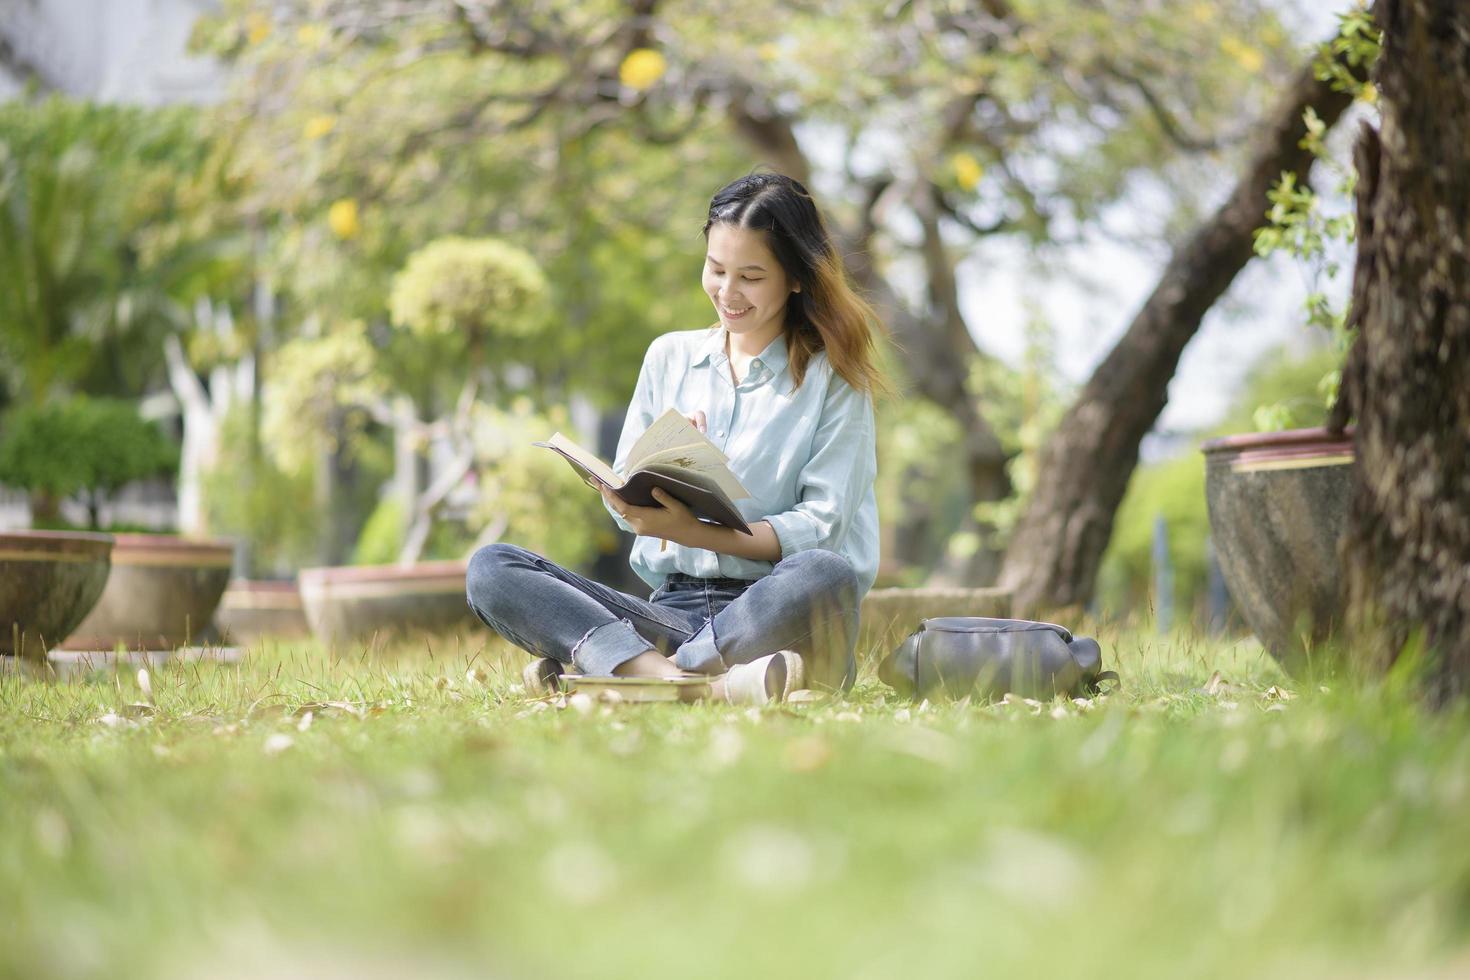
311	35
257	27
642	68
1246	56
967	170
318	126
342	217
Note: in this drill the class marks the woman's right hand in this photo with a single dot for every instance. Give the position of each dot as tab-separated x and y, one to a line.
698	420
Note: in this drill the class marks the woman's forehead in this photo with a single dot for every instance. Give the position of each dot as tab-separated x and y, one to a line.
738	246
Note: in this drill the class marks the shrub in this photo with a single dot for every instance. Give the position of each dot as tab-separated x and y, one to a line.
89	446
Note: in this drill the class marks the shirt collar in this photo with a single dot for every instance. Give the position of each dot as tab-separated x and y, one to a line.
773	357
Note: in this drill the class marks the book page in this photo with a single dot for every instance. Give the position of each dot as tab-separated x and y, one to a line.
713	475
671	431
593	465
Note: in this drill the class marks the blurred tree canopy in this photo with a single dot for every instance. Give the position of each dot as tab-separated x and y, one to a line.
593	133
89	251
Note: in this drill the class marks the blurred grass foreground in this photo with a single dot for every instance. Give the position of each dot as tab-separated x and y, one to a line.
414	813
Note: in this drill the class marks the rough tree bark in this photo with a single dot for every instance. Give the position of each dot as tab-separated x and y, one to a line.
1053	557
1408	377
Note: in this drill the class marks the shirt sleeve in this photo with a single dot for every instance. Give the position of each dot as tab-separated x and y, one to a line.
835	480
640	416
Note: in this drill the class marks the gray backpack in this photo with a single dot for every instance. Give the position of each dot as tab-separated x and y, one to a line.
952	656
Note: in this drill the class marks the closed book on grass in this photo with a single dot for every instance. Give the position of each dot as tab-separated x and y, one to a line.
674	456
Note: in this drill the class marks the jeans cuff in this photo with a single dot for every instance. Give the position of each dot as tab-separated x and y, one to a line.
607	647
698	654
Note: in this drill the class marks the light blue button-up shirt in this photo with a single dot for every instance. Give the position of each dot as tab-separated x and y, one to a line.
808	456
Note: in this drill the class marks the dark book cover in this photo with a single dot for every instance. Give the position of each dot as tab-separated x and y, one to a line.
706	501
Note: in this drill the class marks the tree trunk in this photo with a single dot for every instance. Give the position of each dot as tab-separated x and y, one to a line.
1408	377
1053	558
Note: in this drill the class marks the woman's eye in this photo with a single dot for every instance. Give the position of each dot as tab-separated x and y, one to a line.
748	279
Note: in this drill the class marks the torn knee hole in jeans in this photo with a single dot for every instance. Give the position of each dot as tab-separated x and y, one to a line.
578	645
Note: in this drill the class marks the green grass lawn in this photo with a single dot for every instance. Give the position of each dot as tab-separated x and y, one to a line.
437	823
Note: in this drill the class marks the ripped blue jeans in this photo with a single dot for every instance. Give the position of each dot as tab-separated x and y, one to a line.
807	603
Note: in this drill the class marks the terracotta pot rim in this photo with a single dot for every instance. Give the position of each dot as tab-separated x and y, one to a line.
1286	444
262	585
91	543
343	574
135	541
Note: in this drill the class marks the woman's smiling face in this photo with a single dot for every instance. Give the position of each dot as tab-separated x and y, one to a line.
745	282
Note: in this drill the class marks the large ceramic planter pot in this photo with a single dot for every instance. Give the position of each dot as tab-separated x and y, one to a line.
1278	504
49	581
161	594
252	610
353	603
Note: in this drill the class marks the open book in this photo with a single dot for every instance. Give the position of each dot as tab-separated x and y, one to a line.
673	455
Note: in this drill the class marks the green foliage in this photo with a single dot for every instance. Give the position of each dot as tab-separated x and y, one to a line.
481	290
1297	222
1284	392
87	195
1175	491
381	537
919	488
1023	407
533	494
380	541
316	393
1358	43
249	497
82	445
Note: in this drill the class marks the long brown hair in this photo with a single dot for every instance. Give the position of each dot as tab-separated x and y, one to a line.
827	313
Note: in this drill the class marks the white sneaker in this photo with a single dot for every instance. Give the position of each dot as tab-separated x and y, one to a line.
766	680
542	676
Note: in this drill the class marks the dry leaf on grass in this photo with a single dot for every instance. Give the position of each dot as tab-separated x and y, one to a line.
1216	686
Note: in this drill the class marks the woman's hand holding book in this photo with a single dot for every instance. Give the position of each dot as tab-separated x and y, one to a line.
671	521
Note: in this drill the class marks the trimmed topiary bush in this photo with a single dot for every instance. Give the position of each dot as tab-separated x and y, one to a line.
87	446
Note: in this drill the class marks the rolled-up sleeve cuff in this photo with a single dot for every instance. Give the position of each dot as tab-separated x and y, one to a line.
617	518
794	531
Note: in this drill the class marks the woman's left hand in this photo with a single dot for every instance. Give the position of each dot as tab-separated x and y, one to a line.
671	520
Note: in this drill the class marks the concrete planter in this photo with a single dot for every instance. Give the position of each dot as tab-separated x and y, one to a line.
253	610
1278	504
161	594
49	581
360	603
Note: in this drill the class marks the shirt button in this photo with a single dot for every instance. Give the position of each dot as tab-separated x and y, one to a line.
721	433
